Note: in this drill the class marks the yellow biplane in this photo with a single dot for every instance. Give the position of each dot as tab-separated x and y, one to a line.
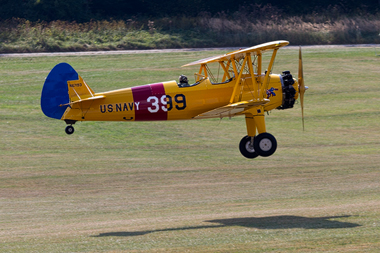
245	89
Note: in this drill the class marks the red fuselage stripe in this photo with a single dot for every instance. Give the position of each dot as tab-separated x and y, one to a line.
148	105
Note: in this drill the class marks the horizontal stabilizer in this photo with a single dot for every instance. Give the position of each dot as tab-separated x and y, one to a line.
86	99
231	109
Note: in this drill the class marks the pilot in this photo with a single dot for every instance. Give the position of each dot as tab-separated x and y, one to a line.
183	82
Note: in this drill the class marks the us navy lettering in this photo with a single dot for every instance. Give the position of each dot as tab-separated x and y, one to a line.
122	107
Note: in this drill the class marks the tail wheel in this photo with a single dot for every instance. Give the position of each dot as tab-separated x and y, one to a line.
265	144
247	147
69	129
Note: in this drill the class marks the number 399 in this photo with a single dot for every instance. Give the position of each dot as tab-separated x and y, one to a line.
165	103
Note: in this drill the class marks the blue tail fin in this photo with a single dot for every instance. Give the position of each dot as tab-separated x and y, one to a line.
55	91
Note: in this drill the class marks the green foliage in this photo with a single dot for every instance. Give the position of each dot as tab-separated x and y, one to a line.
19	35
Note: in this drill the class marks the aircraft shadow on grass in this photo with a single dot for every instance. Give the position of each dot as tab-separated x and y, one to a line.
270	222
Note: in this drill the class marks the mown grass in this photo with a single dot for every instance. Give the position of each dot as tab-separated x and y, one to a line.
183	186
239	30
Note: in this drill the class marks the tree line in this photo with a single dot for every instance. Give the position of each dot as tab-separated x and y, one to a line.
85	10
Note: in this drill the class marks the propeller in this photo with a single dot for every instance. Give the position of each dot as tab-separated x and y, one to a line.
302	88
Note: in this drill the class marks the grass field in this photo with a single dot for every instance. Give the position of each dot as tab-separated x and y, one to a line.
183	186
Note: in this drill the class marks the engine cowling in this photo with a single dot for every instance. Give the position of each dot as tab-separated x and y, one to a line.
289	92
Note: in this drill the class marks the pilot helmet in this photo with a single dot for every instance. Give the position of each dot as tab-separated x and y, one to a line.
183	79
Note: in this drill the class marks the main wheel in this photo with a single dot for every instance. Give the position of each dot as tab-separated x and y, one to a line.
69	129
265	144
246	147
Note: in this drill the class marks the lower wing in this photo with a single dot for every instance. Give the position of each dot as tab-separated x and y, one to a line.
231	110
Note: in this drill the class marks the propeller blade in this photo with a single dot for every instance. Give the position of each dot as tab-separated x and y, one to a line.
302	87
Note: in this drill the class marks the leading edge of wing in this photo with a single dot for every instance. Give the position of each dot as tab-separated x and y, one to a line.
238	54
231	109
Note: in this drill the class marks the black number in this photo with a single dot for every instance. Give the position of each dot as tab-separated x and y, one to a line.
169	102
180	99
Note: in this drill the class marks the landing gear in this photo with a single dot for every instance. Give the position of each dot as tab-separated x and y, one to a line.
69	129
263	144
246	147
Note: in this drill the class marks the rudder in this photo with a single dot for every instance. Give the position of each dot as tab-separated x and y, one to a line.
55	94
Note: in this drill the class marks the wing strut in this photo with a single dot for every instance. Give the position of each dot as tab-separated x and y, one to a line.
226	74
266	79
238	79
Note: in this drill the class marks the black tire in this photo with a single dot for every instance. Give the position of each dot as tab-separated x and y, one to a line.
69	129
265	144
246	149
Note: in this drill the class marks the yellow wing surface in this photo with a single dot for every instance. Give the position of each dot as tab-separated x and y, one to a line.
231	110
257	82
240	54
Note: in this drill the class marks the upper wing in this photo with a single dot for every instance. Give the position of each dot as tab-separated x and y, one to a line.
239	54
231	109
